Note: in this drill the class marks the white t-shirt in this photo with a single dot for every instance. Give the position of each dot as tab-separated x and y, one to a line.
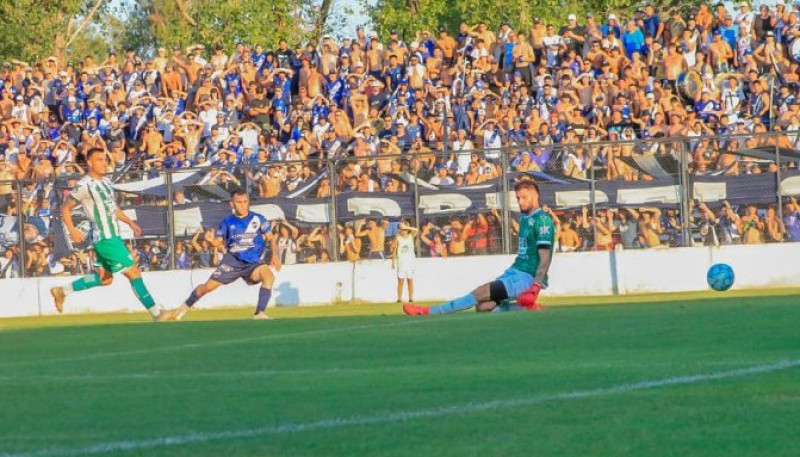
551	45
492	140
405	253
744	18
464	158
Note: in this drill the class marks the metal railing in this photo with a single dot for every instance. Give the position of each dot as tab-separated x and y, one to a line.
665	192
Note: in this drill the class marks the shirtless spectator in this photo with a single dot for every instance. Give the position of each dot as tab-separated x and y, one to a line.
375	233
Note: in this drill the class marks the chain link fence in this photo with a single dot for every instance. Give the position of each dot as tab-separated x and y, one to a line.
645	194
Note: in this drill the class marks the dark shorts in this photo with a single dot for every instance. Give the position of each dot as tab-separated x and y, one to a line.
230	269
376	255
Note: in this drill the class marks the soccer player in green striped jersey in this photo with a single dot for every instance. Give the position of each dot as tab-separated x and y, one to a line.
96	196
526	277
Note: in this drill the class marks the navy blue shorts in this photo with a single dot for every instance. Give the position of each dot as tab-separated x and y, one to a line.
230	269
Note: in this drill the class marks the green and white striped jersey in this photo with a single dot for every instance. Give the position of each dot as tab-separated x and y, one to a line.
97	199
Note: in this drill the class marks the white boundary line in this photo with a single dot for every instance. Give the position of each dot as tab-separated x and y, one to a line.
236	374
402	416
325	331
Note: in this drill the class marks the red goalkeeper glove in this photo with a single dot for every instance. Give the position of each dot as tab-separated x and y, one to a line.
528	298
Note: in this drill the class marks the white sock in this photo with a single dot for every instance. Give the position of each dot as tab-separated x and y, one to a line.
67	289
155	310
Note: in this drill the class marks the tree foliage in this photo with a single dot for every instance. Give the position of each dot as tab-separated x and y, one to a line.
210	22
410	16
34	29
58	27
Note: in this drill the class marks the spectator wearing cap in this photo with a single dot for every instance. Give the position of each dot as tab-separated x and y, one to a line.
744	18
20	110
721	54
574	35
611	28
504	32
71	112
769	52
336	89
230	111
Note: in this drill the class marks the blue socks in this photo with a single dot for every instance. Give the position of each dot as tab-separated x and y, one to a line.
459	304
193	297
263	299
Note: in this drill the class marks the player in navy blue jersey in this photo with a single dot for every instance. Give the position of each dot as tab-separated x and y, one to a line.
245	235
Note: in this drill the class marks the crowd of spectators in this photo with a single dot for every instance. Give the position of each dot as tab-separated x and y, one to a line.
442	105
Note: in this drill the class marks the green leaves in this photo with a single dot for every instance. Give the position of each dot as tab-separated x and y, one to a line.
409	16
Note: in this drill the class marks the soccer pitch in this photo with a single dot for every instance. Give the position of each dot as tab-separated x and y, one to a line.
691	376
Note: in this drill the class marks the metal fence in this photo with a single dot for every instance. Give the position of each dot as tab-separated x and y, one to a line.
656	193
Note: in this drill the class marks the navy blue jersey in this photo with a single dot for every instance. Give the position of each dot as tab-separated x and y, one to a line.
244	236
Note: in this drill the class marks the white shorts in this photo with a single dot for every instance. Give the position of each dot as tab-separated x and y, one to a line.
515	281
405	270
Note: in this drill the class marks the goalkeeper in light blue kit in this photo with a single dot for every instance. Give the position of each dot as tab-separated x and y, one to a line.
526	277
245	235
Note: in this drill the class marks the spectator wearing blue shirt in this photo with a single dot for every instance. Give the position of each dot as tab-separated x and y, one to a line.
791	218
729	31
259	57
336	88
653	27
612	28
319	110
233	82
632	40
705	106
92	111
393	74
71	112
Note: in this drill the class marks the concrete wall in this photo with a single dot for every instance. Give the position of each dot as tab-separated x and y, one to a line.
584	273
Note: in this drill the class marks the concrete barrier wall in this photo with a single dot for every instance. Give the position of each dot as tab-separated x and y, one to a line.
575	274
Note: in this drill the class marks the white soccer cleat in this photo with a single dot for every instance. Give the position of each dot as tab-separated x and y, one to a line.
166	315
181	312
169	315
262	316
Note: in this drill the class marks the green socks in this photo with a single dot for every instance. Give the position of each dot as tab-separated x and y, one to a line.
93	280
86	282
142	293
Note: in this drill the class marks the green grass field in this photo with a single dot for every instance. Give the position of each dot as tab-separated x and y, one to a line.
672	375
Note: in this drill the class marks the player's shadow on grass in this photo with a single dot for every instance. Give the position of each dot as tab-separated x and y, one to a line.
286	295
